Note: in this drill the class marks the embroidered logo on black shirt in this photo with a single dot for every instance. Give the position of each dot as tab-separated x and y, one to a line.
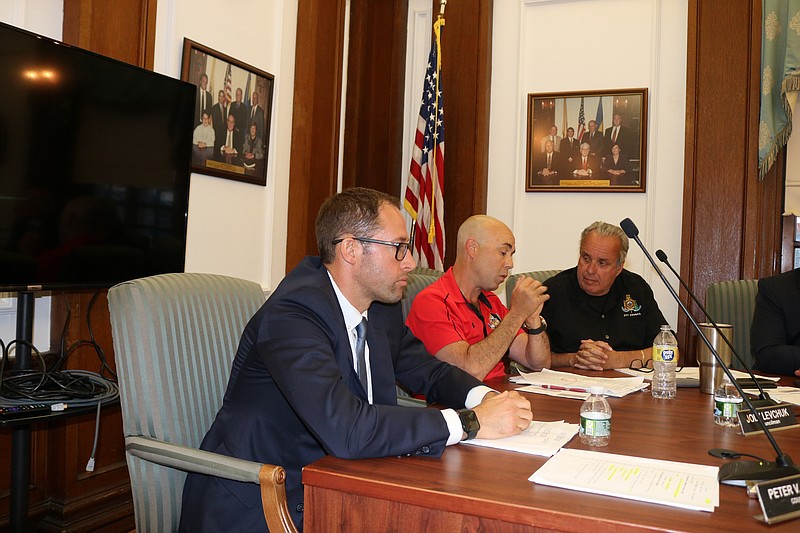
629	305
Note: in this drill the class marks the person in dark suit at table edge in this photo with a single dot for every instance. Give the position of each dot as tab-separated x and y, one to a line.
775	331
302	388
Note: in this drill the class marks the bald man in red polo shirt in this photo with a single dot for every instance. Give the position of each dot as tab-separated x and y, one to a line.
462	322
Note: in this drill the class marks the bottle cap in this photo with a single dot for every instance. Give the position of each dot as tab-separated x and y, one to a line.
597	389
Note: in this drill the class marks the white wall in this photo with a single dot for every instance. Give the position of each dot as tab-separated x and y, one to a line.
236	228
546	46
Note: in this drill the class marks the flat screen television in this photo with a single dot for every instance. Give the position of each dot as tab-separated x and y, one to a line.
94	167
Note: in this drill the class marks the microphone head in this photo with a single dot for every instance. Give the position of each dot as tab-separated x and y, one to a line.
661	256
629	228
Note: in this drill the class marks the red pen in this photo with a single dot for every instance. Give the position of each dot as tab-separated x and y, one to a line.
559	387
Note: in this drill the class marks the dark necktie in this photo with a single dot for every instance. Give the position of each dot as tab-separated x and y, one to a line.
549	161
614	137
361	357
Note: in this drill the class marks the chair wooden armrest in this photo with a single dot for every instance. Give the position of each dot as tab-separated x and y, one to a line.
271	478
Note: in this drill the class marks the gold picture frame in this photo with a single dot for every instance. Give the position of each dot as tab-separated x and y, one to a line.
613	123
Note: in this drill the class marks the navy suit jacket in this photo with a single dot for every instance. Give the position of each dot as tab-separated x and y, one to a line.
293	397
775	333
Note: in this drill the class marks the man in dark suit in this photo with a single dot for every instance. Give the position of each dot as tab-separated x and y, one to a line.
239	110
595	139
302	384
203	100
619	134
219	119
775	333
257	116
586	166
570	147
232	140
548	165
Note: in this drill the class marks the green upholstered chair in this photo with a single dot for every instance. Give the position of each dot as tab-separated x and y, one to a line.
538	275
418	279
733	302
175	337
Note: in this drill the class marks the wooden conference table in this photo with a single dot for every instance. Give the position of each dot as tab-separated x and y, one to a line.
473	488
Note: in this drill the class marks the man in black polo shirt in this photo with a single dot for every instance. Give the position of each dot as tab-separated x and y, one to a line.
600	315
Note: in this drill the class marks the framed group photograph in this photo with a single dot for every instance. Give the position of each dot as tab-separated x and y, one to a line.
592	141
232	116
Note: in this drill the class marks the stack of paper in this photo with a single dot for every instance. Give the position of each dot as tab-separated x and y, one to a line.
690	372
570	385
682	485
785	394
541	438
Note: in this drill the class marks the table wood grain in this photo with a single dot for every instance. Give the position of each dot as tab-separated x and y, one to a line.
474	488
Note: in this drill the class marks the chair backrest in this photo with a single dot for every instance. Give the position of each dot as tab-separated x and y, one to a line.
418	279
538	275
175	337
733	302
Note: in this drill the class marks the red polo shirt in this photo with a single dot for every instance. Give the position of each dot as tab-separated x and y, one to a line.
440	315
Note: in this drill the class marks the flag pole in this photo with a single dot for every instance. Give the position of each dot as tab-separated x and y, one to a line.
438	36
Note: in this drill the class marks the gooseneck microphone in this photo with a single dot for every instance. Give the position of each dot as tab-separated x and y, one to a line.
737	472
763	397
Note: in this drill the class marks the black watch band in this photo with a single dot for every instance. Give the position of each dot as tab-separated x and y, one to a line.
536	331
469	423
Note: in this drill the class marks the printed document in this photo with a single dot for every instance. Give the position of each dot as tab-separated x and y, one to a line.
684	485
541	438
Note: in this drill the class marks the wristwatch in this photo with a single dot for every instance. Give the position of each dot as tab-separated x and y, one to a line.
469	423
535	331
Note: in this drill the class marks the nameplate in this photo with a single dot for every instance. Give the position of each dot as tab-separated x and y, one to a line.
779	499
210	163
775	417
584	183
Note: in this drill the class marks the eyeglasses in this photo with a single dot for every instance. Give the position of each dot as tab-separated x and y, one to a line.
641	366
401	248
646	366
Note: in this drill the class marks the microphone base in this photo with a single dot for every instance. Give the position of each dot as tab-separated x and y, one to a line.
763	402
740	472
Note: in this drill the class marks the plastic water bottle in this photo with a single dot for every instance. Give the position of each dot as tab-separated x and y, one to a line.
595	427
665	359
727	402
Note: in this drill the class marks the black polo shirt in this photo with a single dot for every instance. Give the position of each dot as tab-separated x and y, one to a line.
627	318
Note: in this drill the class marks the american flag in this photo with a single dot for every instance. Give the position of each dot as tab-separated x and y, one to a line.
581	122
424	199
228	84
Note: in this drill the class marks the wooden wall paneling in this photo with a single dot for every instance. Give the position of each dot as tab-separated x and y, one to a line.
81	500
373	119
466	65
373	143
313	170
122	29
730	220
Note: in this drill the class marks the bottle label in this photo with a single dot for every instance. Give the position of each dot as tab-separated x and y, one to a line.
595	424
726	409
665	354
